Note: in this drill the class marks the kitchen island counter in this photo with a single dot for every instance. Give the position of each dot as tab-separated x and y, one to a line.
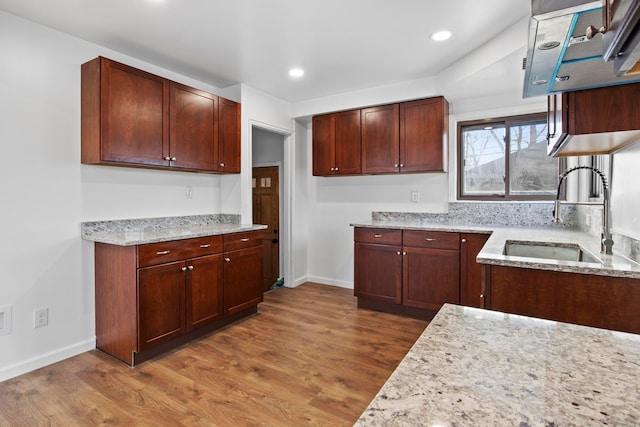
479	367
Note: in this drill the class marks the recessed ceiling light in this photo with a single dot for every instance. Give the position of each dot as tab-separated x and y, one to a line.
296	72
441	36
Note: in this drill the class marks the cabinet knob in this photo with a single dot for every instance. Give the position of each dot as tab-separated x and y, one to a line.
190	267
481	295
162	252
173	159
205	246
398	253
395	165
429	239
184	269
332	169
221	165
377	236
404	254
227	259
246	239
336	169
464	240
401	165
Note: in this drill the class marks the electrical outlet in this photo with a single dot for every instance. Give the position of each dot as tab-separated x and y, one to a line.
5	320
189	192
41	317
415	197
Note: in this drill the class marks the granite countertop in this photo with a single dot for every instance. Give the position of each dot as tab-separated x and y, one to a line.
493	251
131	232
478	367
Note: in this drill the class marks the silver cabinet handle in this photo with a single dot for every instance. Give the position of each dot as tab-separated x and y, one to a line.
190	267
221	165
167	158
395	165
404	254
464	240
336	169
205	246
227	259
429	239
481	295
332	169
377	236
184	269
173	159
162	252
401	165
246	239
398	253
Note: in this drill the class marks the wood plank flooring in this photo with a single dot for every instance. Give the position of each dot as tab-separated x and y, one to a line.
309	357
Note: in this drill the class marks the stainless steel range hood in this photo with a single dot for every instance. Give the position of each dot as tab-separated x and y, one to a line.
560	57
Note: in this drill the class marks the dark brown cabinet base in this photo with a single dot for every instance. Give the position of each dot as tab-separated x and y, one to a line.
150	298
584	299
414	272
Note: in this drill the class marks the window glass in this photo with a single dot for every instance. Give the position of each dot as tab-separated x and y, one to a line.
531	172
485	172
483	159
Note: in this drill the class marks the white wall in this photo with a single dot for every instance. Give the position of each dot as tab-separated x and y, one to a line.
47	193
625	192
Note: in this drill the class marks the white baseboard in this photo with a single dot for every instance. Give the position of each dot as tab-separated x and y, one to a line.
330	282
46	359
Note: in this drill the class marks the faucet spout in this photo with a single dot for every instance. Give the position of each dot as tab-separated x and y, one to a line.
606	241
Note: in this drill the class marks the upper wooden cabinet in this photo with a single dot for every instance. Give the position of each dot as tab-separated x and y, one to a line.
406	137
380	139
193	129
134	118
593	121
424	129
336	143
229	137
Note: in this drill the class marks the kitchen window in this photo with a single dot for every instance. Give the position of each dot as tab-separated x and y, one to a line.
486	172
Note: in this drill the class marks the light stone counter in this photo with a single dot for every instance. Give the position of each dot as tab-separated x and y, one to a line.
493	251
474	367
131	232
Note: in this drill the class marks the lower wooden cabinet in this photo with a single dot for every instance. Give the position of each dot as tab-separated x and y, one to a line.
471	291
151	297
243	265
584	299
413	272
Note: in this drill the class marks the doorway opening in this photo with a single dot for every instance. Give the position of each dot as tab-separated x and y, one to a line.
267	203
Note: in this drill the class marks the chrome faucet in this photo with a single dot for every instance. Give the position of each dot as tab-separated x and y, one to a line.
606	242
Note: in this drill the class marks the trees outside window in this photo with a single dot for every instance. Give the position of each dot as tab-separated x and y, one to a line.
486	172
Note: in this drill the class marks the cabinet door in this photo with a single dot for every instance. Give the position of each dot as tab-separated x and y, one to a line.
204	290
431	277
242	279
378	272
133	115
471	293
347	143
380	139
161	302
423	135
193	136
229	136
324	135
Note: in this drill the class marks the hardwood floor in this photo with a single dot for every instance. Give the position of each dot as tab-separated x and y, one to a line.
309	357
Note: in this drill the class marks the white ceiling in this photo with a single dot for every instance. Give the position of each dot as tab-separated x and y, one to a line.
343	45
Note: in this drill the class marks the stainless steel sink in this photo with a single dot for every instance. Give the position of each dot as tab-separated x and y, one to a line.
544	250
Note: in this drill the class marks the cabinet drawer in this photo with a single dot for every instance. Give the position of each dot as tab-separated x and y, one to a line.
174	250
378	235
431	239
246	239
